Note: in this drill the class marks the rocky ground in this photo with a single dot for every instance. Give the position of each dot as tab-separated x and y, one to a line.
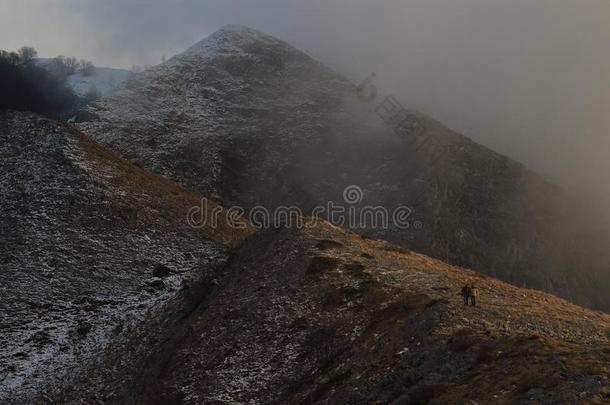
327	316
90	244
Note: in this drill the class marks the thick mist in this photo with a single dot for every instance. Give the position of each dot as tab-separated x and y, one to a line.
530	79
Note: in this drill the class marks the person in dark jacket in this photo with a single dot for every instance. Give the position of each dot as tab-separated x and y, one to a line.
465	293
474	294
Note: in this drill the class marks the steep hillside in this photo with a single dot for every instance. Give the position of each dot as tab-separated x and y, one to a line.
89	246
325	316
248	120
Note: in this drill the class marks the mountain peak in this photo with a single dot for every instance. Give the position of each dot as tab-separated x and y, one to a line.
240	34
237	39
238	28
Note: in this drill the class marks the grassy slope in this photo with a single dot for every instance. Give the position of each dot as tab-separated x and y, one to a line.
168	200
327	316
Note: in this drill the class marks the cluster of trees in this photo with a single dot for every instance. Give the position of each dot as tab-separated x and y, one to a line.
28	86
65	66
25	55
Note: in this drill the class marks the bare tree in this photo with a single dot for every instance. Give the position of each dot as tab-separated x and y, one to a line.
10	58
27	54
87	68
59	68
14	58
72	64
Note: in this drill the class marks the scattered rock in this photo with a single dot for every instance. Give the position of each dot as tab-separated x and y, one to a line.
83	328
156	284
326	244
40	338
321	264
161	271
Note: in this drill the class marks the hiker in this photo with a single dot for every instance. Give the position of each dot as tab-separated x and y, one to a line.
474	293
465	293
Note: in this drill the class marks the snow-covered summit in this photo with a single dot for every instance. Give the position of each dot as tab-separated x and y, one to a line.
235	39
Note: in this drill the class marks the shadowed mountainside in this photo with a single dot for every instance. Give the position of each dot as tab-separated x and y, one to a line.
248	120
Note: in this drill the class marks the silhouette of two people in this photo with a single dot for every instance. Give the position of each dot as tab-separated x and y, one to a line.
470	293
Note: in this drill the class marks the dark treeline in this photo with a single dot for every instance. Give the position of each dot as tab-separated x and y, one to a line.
27	86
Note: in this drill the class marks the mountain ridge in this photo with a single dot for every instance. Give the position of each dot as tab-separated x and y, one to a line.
253	122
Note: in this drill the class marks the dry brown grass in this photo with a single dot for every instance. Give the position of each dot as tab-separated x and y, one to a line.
164	196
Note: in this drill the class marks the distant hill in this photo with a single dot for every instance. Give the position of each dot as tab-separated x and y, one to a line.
103	79
248	120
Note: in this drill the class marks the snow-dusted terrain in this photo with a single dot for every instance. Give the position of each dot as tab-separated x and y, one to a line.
248	120
103	80
91	246
324	316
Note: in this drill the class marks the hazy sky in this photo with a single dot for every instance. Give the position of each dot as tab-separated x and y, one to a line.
530	79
